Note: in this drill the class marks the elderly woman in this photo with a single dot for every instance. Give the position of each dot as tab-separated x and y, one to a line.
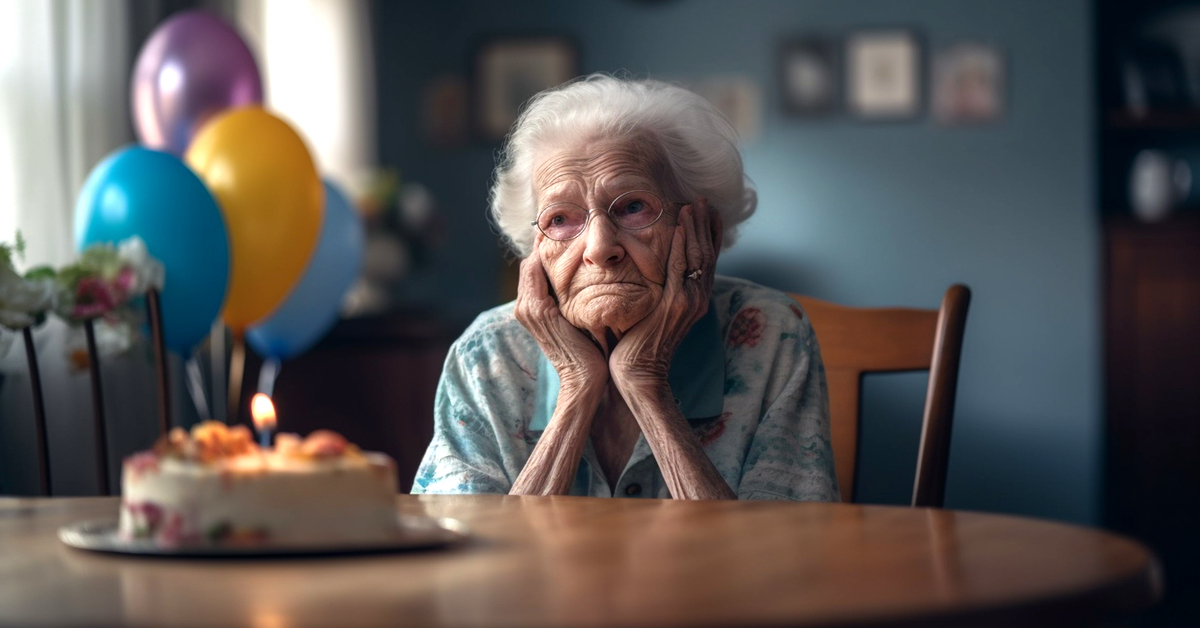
626	367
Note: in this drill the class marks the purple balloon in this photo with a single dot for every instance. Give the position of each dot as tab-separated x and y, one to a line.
192	67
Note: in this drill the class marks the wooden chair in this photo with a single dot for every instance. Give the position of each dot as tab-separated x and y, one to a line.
856	340
99	424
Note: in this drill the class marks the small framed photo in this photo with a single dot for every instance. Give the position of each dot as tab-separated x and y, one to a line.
809	76
444	112
509	71
968	84
883	69
739	97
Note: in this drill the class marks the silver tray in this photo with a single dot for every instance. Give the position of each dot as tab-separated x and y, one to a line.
412	533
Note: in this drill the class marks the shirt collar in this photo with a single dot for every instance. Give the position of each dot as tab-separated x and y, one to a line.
697	375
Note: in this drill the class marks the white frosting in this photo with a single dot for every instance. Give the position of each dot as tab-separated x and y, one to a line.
260	496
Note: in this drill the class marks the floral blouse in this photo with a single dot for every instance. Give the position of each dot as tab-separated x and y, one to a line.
748	378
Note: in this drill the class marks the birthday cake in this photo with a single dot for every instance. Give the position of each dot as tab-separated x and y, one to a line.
215	486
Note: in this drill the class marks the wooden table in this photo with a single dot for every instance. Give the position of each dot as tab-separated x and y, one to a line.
568	561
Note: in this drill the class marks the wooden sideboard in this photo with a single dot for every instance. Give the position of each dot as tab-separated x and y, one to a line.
373	379
1152	329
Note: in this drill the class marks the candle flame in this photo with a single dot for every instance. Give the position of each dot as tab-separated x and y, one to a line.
262	411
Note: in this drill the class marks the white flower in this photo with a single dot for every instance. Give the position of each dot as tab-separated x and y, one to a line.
22	300
415	206
148	272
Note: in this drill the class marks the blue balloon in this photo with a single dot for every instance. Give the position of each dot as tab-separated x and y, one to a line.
154	195
313	305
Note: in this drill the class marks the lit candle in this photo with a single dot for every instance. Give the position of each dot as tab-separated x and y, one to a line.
263	413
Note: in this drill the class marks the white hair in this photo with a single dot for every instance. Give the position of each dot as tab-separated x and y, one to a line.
697	142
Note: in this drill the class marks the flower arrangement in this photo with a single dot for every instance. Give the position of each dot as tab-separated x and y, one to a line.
404	231
24	299
105	280
104	285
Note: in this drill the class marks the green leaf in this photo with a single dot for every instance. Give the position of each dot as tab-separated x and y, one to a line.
40	272
218	531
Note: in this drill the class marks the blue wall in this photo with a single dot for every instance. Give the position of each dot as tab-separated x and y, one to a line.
862	213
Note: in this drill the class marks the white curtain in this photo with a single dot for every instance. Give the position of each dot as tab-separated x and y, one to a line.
64	94
317	65
64	85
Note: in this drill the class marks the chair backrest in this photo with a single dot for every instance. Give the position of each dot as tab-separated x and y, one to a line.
857	340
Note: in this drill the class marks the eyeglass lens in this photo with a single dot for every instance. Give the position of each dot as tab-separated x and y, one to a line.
632	210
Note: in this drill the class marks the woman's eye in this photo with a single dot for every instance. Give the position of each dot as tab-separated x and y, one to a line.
630	208
562	222
636	210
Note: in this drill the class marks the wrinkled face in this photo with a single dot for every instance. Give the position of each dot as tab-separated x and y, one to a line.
607	277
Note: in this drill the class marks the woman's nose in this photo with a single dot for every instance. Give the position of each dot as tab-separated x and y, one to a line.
602	245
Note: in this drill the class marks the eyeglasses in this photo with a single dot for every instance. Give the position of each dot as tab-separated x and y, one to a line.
631	211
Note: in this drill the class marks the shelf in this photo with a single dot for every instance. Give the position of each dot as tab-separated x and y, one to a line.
1185	219
1166	120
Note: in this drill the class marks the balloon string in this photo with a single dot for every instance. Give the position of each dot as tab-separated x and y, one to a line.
216	354
195	383
237	366
267	375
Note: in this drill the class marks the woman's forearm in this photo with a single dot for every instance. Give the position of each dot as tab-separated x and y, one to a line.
551	467
688	472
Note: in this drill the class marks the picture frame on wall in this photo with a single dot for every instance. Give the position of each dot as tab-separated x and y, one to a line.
968	84
883	74
810	76
509	70
444	111
738	96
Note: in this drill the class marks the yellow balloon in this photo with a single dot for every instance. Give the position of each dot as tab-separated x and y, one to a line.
268	188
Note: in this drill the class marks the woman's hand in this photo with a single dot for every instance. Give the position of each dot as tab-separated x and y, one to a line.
579	362
582	373
642	358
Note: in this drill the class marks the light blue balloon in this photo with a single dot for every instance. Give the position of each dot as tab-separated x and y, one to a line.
154	195
313	305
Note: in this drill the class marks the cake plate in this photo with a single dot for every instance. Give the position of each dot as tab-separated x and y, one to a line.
412	533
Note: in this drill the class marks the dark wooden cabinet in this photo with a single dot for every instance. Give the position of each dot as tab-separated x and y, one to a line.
1152	360
1151	287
